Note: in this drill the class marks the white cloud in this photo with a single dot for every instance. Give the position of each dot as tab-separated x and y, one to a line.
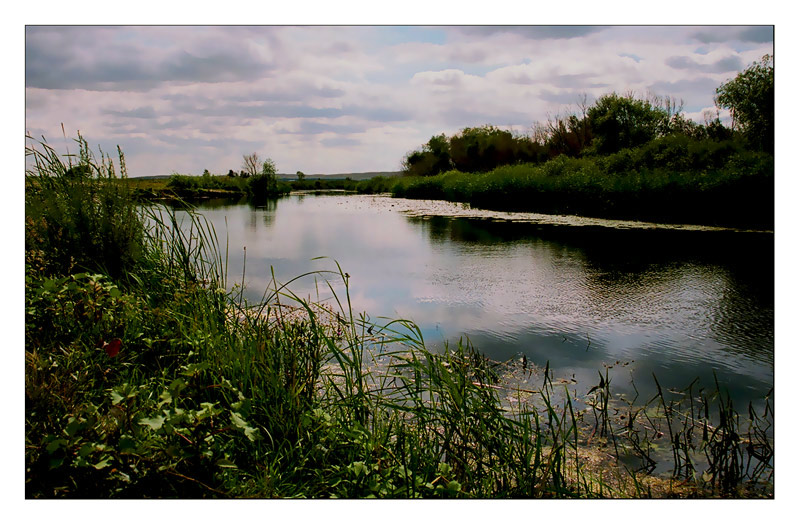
336	98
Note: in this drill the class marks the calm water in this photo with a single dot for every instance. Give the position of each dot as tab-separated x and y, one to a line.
681	304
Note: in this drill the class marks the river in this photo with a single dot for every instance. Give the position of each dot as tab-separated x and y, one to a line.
582	295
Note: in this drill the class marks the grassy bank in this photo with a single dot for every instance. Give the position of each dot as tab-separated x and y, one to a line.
323	184
145	376
667	181
201	187
215	186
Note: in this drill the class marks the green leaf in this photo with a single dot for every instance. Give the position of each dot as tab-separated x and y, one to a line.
358	468
55	445
73	426
116	397
226	463
251	433
166	398
127	444
237	420
194	368
177	386
155	422
115	293
105	462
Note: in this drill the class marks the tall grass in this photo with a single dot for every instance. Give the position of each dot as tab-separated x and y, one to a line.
79	214
160	382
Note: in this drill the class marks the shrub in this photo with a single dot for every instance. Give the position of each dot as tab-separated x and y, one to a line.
183	183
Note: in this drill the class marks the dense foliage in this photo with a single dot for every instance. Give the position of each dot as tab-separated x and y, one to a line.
675	179
259	186
188	184
619	122
750	97
264	183
613	123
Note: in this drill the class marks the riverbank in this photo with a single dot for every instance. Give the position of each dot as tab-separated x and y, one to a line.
198	188
663	182
222	186
738	193
442	208
148	375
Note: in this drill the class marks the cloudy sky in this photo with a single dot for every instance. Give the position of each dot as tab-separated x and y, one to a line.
335	99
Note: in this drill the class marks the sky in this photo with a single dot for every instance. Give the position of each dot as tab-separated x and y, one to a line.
340	99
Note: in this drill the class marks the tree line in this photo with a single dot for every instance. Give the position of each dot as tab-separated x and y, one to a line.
615	122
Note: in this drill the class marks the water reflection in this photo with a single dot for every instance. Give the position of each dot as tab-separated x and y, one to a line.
709	280
681	304
262	211
676	303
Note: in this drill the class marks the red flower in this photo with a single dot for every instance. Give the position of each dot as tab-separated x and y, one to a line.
112	347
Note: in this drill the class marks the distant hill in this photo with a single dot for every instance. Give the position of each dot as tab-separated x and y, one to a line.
291	176
354	176
148	177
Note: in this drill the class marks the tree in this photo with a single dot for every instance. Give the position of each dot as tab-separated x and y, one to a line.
619	122
251	165
301	176
750	97
206	173
482	148
268	169
265	182
433	158
563	135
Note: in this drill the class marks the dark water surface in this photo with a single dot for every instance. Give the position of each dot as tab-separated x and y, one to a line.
680	304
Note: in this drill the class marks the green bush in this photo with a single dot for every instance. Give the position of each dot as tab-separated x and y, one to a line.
183	183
